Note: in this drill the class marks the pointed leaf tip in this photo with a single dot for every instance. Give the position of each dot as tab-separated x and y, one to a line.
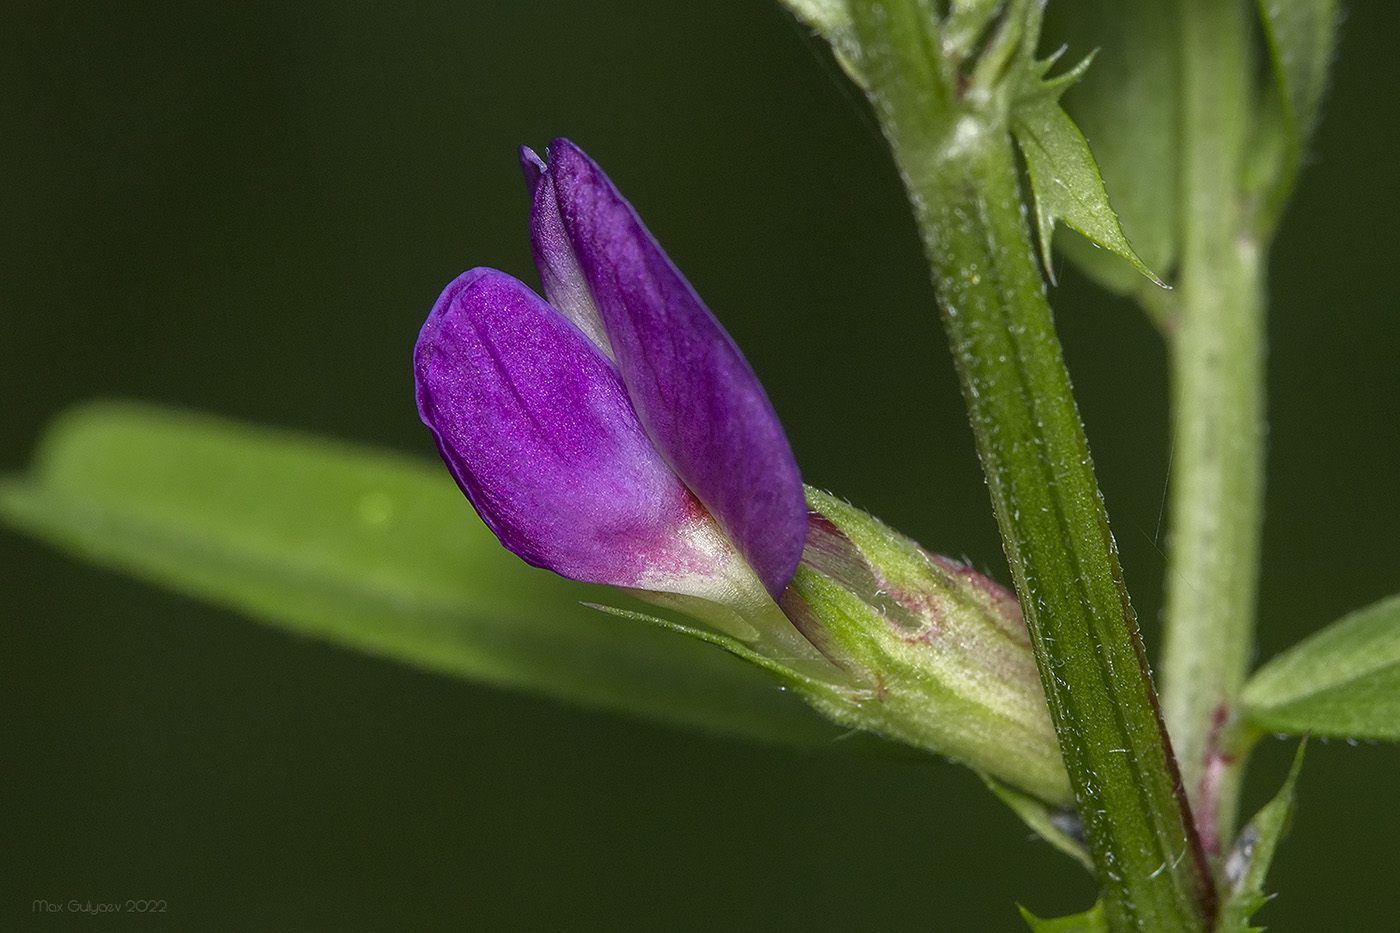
1066	183
1249	860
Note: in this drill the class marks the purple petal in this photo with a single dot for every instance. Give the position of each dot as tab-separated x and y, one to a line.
692	389
535	424
559	270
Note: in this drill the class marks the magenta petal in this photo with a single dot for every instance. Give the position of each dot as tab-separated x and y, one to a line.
534	423
692	389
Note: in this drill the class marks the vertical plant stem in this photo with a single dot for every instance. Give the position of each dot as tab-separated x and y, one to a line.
955	154
1216	333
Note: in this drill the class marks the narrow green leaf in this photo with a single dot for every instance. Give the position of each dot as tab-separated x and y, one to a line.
1091	921
1253	853
831	19
828	17
1343	682
1128	107
975	29
788	674
1065	180
371	550
1302	36
1058	827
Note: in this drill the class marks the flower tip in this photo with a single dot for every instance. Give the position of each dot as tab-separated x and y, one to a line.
563	146
695	395
575	169
533	166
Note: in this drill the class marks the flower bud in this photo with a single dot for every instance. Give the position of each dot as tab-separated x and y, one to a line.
943	650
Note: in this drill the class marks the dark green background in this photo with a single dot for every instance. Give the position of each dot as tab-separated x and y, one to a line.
249	209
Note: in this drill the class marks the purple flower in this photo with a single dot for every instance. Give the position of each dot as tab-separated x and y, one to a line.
613	434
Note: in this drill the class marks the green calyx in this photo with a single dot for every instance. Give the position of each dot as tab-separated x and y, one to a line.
884	637
943	650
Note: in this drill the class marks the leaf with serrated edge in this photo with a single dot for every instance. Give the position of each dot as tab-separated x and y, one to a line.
1128	106
371	550
1342	682
1248	862
1065	181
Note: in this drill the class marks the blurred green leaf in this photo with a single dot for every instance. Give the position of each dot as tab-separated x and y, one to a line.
825	16
1128	108
831	19
1249	860
1091	921
1342	682
371	550
1302	36
1065	180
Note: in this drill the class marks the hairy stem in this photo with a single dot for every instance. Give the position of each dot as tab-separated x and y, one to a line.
1216	333
954	151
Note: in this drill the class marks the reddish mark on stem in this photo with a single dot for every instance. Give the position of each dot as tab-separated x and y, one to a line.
1208	800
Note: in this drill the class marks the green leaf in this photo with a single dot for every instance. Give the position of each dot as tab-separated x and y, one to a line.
372	550
1253	853
1091	921
791	675
1302	36
1065	180
1051	825
1128	106
831	19
826	16
1342	682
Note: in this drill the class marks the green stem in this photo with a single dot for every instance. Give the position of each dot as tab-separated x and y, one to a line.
955	153
1216	333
